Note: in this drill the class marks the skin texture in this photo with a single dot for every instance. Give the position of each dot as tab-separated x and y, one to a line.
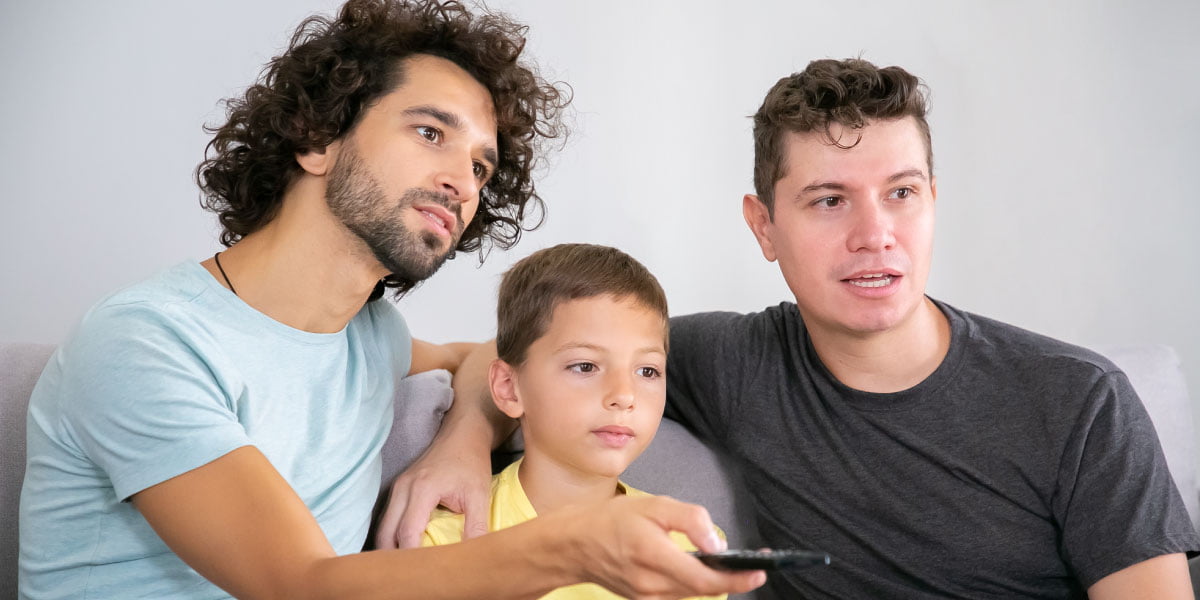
600	366
238	522
844	213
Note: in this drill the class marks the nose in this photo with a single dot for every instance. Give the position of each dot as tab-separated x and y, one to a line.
456	178
873	229
620	392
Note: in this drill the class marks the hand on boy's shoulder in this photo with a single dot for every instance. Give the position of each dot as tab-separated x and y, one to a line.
445	527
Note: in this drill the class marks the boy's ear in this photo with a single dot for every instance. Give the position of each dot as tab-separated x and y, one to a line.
502	380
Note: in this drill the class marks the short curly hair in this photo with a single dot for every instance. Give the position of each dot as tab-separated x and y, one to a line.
335	68
848	92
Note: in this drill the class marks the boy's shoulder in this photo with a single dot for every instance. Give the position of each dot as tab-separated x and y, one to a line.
507	506
445	527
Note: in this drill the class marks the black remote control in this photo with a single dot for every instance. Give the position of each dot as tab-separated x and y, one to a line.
749	560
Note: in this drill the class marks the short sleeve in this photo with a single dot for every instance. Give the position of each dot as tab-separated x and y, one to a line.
141	403
1115	499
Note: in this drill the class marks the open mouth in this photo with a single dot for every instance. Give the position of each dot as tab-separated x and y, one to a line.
439	221
870	280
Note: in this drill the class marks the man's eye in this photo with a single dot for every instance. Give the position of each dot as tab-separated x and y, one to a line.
481	170
902	193
583	367
431	134
828	202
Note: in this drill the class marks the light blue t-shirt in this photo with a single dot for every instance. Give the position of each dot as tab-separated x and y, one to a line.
165	377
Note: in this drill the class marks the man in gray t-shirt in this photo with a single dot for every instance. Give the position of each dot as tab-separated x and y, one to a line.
933	453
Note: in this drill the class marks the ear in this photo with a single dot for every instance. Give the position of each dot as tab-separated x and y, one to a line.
759	219
319	161
933	187
502	380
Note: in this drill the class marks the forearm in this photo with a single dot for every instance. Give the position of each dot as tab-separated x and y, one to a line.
526	561
1162	577
473	418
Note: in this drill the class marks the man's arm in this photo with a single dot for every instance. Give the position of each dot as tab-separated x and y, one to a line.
238	523
428	357
1164	577
456	469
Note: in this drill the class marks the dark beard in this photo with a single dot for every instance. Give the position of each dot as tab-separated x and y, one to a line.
355	198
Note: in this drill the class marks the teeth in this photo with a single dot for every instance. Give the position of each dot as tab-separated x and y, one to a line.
433	217
872	284
872	275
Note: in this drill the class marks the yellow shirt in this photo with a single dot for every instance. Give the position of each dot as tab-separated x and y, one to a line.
510	506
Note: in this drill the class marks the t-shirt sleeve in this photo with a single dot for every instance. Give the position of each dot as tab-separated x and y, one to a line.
1116	501
141	403
706	365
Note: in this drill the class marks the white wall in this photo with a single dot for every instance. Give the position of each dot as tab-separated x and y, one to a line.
1067	141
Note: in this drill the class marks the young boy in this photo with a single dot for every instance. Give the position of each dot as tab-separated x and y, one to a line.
582	345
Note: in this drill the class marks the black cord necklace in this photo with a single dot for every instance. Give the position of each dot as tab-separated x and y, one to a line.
217	257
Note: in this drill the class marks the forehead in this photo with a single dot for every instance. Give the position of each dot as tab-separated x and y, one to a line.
879	149
436	82
604	315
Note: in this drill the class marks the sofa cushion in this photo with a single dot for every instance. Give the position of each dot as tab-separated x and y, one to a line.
20	367
1156	375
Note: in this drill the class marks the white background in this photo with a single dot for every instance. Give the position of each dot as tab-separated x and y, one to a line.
1066	140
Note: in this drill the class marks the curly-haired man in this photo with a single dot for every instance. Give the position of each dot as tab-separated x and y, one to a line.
216	430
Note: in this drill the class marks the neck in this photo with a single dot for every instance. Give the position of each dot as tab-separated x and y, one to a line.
550	486
303	269
887	361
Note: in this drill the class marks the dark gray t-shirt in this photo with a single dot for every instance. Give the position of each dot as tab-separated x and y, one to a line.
1022	467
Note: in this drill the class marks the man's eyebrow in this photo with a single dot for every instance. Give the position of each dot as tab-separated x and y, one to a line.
835	186
452	121
448	119
905	174
822	185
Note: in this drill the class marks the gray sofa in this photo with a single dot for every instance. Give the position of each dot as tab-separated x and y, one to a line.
675	464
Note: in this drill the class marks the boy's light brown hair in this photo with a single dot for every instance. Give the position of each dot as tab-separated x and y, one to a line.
533	287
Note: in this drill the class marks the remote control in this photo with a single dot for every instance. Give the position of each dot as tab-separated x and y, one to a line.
747	560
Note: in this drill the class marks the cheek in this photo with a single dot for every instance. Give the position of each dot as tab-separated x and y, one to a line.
469	211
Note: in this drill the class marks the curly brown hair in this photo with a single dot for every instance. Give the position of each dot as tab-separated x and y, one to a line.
850	93
333	69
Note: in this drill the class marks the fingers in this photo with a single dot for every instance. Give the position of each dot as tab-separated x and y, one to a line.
475	513
385	534
690	519
633	555
415	517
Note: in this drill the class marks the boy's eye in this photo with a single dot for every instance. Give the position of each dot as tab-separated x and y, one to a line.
583	367
649	372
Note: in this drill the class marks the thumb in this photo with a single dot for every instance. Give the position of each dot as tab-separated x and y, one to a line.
693	520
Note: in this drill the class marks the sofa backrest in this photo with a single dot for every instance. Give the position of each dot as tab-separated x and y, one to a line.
676	463
20	367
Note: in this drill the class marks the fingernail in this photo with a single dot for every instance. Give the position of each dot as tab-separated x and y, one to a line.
715	541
